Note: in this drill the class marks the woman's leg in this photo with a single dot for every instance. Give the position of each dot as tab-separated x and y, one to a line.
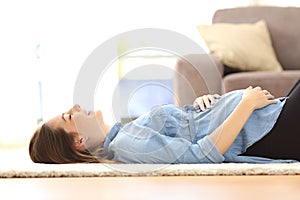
283	141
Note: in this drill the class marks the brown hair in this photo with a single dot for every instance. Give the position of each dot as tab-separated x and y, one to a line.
57	146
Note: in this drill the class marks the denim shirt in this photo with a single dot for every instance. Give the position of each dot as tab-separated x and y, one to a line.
170	134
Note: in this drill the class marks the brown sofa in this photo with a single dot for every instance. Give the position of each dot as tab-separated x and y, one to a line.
202	74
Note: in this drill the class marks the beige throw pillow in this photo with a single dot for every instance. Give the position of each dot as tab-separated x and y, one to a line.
243	46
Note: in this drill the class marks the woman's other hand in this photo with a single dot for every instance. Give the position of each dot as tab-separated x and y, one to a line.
206	101
258	98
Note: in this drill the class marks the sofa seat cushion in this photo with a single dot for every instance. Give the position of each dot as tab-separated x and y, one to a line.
278	83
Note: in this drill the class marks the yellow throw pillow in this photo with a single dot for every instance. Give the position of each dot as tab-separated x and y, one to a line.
243	46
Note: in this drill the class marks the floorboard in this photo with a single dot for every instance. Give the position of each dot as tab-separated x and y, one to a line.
187	187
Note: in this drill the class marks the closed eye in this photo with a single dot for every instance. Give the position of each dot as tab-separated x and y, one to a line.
68	116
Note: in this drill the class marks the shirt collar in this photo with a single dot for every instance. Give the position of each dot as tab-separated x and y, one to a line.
112	134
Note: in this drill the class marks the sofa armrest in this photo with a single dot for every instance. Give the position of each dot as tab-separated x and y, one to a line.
196	75
277	83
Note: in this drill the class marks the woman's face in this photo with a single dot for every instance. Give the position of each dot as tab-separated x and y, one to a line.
87	124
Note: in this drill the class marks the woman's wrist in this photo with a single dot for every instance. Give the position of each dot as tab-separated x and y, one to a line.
248	104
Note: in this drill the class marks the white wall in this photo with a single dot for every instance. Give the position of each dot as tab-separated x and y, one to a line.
48	41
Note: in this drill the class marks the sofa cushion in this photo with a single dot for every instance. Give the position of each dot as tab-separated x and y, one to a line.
278	83
283	25
245	46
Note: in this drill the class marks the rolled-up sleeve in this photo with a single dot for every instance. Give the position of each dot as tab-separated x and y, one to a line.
204	151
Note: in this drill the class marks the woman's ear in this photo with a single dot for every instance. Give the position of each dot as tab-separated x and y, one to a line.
79	145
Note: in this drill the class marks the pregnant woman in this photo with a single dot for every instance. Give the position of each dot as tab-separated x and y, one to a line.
246	125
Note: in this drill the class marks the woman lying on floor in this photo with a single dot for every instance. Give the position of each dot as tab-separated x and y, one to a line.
241	126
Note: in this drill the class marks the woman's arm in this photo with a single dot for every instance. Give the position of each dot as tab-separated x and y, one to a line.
226	133
137	143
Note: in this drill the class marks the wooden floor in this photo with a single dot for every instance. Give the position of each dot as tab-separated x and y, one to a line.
183	188
154	188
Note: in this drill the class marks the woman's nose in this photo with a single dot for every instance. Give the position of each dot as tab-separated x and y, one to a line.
76	108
